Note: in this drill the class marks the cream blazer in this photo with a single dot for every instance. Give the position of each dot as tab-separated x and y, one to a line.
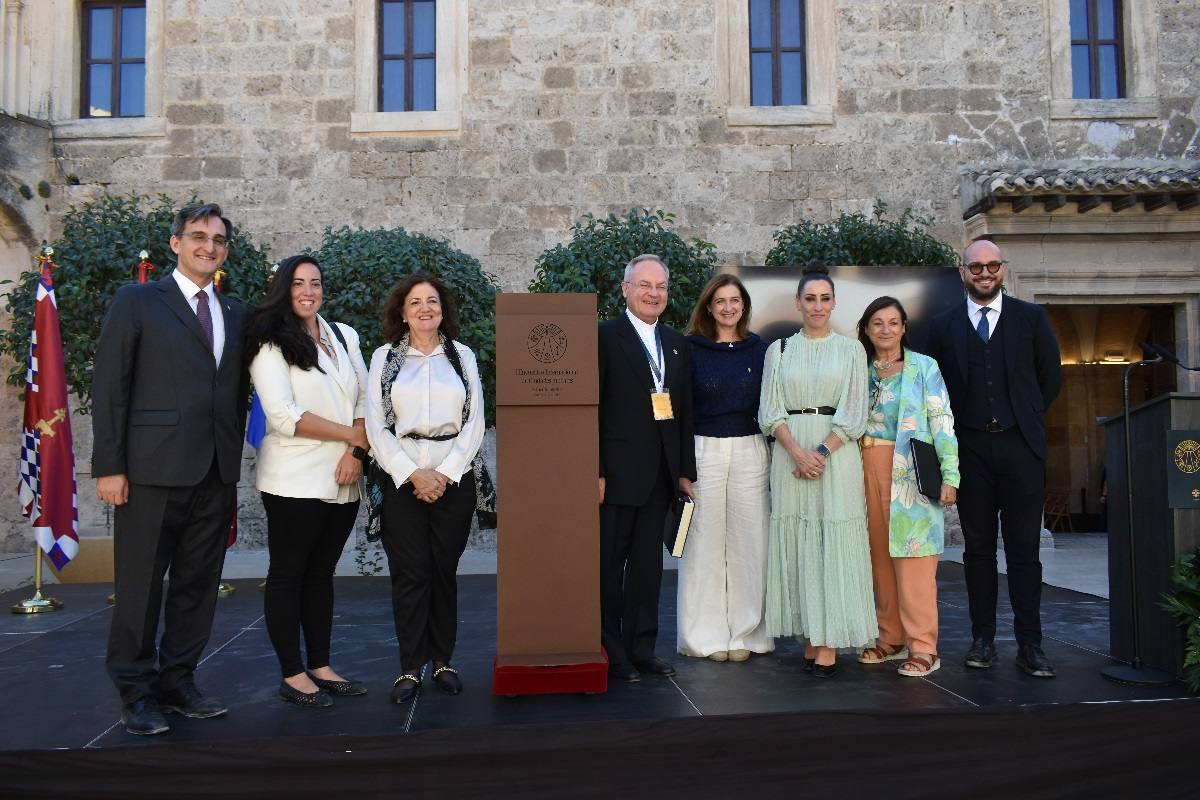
290	465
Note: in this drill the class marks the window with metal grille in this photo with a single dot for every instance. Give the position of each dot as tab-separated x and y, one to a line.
113	59
777	53
1097	50
407	55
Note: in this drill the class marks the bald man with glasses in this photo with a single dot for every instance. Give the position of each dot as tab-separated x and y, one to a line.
1000	360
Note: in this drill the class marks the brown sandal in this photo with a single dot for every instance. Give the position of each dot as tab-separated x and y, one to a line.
918	665
883	652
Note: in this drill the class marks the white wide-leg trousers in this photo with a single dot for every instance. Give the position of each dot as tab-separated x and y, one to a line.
722	576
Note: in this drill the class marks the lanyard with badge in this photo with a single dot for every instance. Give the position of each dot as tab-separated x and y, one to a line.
660	397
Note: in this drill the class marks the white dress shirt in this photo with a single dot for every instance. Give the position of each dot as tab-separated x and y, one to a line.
428	398
190	290
993	317
645	332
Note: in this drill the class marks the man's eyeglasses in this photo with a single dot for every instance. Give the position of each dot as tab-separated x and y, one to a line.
976	267
198	238
647	286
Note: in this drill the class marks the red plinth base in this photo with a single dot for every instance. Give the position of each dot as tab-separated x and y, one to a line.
591	678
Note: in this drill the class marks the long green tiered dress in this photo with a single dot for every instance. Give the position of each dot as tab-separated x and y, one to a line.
819	559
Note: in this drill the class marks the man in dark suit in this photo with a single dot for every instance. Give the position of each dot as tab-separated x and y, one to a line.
647	455
168	391
1000	361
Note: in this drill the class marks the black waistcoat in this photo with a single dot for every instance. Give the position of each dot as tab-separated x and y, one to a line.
987	383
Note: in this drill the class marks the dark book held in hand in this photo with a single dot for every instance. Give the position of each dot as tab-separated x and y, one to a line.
927	467
679	521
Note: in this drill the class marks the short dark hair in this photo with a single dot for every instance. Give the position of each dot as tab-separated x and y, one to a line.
873	308
394	325
702	321
199	212
814	272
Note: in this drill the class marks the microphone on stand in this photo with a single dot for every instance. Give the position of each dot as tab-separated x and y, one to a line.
1165	354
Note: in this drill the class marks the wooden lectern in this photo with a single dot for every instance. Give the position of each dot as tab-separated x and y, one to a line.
548	452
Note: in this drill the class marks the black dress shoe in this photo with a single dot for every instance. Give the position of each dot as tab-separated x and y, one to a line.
824	670
982	654
1033	661
405	688
187	700
624	672
318	699
446	678
654	666
339	688
144	718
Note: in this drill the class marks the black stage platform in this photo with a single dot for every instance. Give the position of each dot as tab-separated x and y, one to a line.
838	733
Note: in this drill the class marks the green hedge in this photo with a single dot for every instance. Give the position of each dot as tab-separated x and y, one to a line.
595	258
855	240
361	266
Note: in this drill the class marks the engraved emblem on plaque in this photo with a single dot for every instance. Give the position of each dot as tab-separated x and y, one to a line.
546	342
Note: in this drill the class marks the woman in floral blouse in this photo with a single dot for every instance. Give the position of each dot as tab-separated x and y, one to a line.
908	401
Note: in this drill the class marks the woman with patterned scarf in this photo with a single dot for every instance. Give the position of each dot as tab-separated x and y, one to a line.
425	422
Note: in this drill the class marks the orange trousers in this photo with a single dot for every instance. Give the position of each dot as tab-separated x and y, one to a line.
905	588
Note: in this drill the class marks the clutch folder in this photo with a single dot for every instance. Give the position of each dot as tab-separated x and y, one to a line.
927	467
677	524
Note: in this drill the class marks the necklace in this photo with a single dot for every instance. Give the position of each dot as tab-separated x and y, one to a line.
884	366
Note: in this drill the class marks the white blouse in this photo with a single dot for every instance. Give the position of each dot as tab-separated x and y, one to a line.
428	398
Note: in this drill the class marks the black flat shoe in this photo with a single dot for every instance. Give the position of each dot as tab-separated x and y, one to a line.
809	663
446	678
318	699
405	688
824	670
339	688
982	654
624	672
654	666
144	718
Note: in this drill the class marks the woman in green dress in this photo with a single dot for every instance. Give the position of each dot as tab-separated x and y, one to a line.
814	402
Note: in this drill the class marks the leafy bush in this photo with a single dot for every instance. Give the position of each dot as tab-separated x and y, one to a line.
854	240
361	266
595	258
96	254
1184	604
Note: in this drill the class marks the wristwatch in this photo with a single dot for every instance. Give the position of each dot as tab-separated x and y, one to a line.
359	453
823	449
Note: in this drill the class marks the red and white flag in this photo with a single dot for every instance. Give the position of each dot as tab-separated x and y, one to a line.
47	486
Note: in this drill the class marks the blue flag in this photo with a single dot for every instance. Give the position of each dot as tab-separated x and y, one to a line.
256	425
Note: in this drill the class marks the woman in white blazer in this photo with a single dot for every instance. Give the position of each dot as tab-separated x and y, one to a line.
311	381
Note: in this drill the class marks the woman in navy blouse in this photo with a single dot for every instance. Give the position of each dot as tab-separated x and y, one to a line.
722	577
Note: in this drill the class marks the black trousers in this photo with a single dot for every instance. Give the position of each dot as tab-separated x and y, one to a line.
1000	474
423	542
631	548
305	538
184	529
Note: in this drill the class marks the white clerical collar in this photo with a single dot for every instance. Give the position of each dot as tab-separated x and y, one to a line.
644	329
190	289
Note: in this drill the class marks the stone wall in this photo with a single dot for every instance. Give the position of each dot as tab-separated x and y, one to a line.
595	106
598	105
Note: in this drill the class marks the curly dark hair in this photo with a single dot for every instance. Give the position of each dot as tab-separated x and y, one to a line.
394	325
273	322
